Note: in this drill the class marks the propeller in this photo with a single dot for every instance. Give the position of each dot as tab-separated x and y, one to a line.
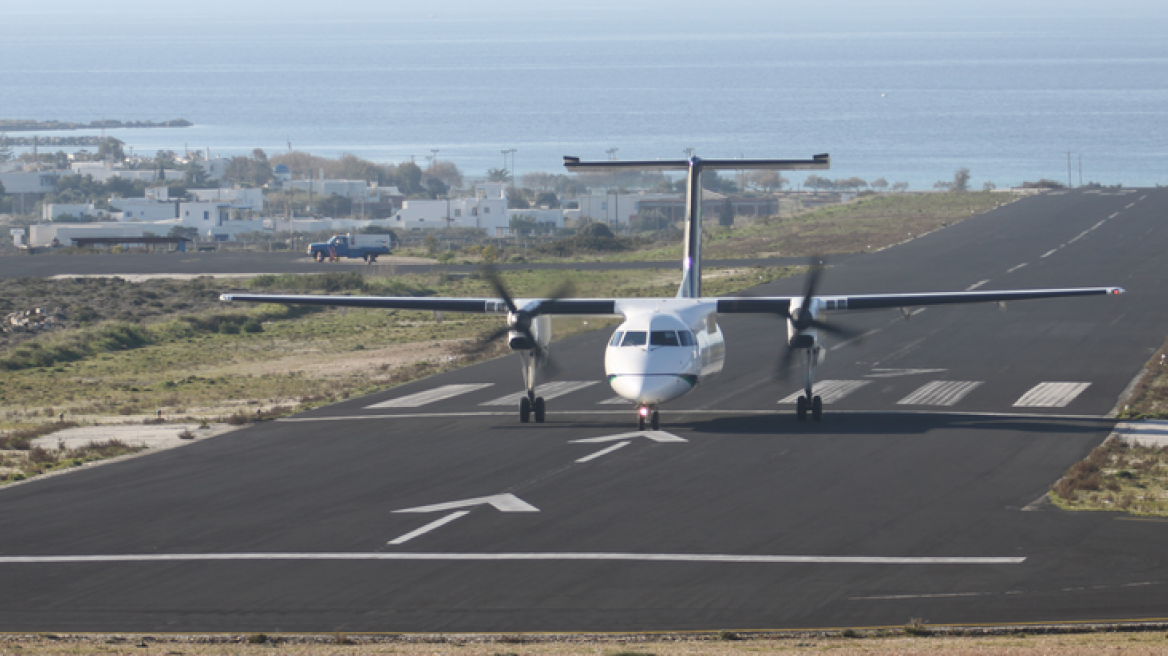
803	319
520	320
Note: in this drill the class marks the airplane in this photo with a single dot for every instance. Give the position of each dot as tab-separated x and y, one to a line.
665	347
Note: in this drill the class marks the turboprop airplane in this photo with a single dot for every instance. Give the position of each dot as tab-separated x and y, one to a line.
666	347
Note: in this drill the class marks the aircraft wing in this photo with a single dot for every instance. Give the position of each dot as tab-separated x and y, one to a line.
771	305
573	306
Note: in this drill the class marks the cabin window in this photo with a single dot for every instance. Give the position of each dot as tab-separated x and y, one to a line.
616	338
687	338
663	338
634	338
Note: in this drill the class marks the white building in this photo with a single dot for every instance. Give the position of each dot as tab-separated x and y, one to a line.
142	209
42	234
252	198
30	182
485	213
104	171
609	208
50	211
355	189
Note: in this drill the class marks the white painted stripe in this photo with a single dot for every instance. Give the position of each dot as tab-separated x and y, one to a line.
1113	215
830	391
677	411
535	556
430	396
547	391
1050	252
940	392
1012	270
430	527
604	452
1051	395
978	284
616	400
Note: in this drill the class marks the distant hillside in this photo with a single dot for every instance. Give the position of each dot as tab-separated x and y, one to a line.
23	125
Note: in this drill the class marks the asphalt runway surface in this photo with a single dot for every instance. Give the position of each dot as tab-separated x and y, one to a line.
429	507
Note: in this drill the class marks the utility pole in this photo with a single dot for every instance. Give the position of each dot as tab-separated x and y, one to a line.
612	153
1080	169
688	152
1069	182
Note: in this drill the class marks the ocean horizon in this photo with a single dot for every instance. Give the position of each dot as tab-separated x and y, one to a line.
902	91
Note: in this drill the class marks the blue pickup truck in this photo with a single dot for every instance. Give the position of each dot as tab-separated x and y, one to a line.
366	247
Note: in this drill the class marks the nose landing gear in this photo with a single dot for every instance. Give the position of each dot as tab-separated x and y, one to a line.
648	414
814	406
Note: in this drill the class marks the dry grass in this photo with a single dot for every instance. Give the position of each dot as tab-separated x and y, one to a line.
1117	476
889	642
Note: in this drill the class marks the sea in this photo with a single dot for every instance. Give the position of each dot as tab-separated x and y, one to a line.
909	91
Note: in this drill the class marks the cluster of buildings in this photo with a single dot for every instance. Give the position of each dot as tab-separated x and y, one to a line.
222	214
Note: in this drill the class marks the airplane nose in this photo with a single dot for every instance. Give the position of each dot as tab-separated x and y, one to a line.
650	389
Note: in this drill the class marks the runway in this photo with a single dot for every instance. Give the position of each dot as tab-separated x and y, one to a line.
429	507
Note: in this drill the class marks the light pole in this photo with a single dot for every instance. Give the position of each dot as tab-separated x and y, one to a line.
513	176
688	152
612	153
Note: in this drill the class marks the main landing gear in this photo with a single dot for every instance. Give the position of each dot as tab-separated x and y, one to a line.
648	414
529	405
808	402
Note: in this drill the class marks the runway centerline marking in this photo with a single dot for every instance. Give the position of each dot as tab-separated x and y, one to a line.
604	452
533	557
1012	270
979	284
430	527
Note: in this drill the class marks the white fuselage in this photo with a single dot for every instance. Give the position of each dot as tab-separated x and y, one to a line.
660	353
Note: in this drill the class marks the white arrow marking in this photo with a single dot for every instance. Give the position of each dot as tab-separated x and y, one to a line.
602	452
430	527
501	502
656	436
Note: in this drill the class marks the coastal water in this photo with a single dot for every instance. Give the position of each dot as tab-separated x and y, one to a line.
906	91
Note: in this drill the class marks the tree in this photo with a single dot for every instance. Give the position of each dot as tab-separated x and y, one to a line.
900	187
712	181
596	229
517	199
335	205
767	180
194	175
726	214
435	188
547	199
3	191
498	175
111	149
961	180
409	178
5	149
989	186
523	225
430	243
879	184
447	172
943	185
816	182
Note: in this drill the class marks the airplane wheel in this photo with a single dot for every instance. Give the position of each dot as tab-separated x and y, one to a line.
816	409
655	421
801	408
539	409
524	410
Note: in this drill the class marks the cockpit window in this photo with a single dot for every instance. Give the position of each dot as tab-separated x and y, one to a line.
616	338
687	338
634	338
663	338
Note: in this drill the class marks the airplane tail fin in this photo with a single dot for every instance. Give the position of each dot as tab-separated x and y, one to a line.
691	263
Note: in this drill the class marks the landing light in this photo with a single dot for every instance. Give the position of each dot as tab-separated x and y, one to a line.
644	411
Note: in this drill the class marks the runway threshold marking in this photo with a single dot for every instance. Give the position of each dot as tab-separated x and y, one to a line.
1051	395
430	396
534	556
830	391
940	392
548	391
